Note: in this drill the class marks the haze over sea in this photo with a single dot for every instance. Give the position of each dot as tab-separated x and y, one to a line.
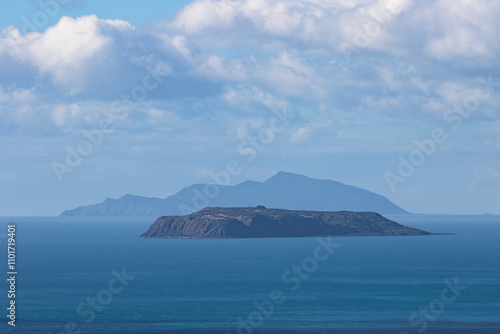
182	285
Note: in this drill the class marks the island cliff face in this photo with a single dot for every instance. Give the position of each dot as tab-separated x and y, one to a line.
260	222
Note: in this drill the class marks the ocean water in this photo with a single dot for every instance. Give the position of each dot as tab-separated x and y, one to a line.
69	272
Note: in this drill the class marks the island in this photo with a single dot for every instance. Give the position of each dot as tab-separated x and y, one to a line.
278	191
260	222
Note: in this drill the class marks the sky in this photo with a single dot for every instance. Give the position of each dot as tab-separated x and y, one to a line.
99	99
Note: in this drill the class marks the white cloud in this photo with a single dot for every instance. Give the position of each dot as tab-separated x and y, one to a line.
66	50
253	99
255	56
219	68
463	28
311	23
300	134
79	114
443	29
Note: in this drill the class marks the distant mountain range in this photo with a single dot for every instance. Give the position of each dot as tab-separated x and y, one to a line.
260	222
283	190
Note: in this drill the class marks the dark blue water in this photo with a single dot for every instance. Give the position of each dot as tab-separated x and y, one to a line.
367	285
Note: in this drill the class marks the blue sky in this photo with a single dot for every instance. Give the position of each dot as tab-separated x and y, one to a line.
103	98
14	14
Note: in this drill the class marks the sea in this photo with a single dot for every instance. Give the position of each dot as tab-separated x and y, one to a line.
96	275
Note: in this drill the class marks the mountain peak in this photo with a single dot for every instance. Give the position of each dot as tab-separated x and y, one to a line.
282	175
129	197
